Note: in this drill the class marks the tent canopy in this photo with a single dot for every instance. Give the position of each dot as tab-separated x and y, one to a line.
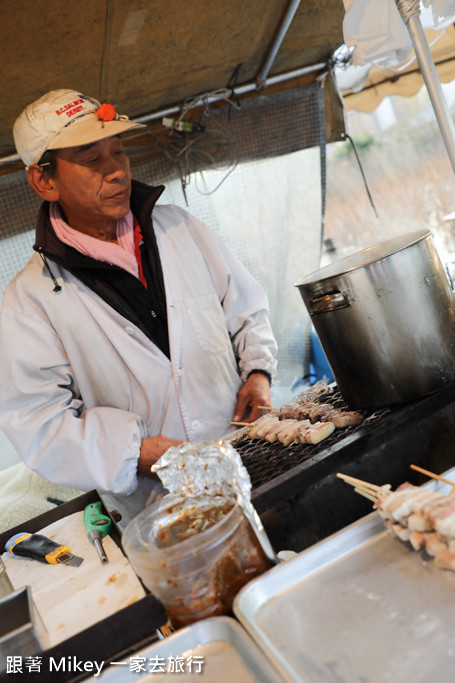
145	56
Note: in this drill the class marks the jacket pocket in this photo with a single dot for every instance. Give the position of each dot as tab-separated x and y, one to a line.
208	322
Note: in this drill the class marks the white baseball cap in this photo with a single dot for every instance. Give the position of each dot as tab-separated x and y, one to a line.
65	118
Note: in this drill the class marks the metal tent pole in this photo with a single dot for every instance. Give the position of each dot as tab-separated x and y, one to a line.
276	44
410	13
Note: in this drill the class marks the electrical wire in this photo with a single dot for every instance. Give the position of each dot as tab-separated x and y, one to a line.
208	148
348	137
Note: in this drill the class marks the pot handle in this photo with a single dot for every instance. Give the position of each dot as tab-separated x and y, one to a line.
331	301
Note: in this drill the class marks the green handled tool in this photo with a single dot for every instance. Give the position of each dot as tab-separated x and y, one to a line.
41	548
98	526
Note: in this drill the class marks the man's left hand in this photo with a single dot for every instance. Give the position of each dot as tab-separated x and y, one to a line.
254	392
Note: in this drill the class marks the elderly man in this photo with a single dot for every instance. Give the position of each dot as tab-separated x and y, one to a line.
132	328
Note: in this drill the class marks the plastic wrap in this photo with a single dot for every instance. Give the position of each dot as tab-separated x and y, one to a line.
378	33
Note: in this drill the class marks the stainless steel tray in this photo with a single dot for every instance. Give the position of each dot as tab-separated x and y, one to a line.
228	654
358	606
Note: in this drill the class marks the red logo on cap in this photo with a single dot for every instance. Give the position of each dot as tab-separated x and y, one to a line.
106	112
69	106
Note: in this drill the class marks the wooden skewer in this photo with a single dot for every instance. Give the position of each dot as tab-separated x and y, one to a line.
241	424
357	482
366	494
267	408
431	475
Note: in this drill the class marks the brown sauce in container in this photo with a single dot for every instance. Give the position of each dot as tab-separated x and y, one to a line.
195	554
212	591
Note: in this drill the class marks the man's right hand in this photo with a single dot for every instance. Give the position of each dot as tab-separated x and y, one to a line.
152	448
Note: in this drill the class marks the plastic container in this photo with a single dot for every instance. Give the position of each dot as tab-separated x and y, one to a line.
194	554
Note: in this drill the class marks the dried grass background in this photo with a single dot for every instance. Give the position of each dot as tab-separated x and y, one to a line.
411	181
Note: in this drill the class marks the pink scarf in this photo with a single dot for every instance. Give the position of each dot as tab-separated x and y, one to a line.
121	254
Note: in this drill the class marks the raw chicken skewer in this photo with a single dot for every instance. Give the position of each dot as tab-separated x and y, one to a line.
421	516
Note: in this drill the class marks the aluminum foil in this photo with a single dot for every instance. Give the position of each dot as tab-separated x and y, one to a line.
211	468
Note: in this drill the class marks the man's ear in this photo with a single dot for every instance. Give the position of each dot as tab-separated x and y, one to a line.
42	183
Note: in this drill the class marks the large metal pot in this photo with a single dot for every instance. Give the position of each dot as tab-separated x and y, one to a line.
385	317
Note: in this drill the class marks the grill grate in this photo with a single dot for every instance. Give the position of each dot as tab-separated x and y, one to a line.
264	460
296	491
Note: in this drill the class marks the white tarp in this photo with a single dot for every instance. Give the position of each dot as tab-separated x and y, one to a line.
377	33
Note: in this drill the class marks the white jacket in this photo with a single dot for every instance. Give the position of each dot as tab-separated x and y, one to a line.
81	385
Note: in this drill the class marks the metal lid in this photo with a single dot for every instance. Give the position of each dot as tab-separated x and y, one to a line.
365	257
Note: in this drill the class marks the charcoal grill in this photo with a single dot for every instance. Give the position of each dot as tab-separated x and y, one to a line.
296	491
